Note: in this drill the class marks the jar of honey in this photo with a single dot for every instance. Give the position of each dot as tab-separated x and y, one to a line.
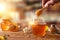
7	25
39	29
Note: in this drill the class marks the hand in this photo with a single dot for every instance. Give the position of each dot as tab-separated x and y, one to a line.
46	3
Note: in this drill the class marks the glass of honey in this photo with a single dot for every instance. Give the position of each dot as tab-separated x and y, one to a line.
7	25
39	28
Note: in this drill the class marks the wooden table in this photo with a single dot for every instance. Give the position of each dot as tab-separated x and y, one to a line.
22	36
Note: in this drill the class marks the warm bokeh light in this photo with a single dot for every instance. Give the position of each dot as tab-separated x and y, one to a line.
14	16
31	23
1	20
2	38
8	11
2	7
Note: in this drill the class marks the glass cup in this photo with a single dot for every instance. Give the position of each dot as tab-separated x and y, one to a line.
39	28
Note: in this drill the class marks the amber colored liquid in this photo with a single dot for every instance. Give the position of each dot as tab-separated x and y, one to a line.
4	27
8	26
39	30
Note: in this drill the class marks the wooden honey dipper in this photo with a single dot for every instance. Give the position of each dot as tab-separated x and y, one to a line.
54	7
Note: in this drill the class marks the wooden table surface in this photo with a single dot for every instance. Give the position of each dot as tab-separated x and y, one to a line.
21	36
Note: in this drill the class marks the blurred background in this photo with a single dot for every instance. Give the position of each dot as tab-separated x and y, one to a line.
20	10
27	8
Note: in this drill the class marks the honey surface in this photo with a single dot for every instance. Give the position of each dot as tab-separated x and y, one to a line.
39	30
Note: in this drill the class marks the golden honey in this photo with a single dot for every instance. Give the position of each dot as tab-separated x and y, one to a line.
7	25
39	30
